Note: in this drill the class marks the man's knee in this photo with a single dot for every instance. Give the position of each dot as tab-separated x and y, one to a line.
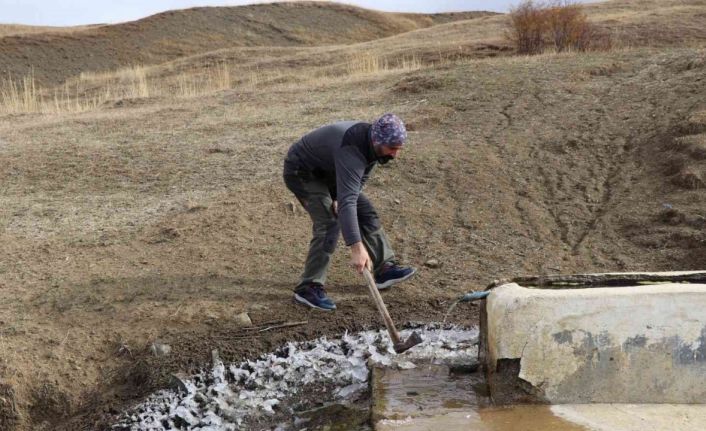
328	234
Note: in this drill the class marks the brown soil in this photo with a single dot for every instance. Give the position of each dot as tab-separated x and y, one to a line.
164	219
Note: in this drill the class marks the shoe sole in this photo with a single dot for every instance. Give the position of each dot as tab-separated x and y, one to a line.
390	283
302	300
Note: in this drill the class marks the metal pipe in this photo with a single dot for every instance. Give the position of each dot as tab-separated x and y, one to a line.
474	296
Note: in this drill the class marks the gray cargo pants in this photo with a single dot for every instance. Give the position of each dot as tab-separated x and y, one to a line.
315	197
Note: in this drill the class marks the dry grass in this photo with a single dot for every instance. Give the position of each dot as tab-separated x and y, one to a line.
369	63
19	30
19	96
92	90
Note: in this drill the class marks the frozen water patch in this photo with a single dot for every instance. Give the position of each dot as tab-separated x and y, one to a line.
227	397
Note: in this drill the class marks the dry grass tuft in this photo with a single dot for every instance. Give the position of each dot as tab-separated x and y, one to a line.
692	145
369	63
696	123
91	90
417	84
9	415
689	178
19	96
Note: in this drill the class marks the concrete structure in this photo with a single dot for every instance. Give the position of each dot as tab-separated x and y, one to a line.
557	342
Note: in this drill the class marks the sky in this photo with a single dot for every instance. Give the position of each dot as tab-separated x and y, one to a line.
78	12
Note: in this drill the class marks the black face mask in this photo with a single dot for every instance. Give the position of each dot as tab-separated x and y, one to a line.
384	159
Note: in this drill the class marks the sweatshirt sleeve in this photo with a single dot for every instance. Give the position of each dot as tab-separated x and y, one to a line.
350	168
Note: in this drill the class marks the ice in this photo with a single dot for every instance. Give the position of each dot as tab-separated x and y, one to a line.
406	365
230	395
184	413
347	391
268	404
359	373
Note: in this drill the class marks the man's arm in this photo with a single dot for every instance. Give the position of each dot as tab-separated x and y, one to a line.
350	168
360	258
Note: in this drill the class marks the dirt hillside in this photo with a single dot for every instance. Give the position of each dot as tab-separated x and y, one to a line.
163	218
57	55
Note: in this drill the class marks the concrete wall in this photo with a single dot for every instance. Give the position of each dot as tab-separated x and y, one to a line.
636	344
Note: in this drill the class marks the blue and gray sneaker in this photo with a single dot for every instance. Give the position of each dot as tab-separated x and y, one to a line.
314	296
391	274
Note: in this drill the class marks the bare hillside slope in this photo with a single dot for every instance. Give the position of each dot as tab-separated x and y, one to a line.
57	55
668	23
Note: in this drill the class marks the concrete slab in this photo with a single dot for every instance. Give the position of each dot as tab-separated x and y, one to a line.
635	417
570	417
525	418
633	344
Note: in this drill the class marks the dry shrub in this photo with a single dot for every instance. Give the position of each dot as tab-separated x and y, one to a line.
560	25
528	26
568	28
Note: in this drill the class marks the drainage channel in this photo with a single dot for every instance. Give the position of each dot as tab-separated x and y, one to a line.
324	383
358	383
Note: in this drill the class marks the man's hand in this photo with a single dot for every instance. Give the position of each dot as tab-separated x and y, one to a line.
360	258
334	208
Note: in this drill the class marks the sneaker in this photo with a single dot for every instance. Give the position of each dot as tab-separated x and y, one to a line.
392	274
314	296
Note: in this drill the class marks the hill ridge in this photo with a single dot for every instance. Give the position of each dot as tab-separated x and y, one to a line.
165	36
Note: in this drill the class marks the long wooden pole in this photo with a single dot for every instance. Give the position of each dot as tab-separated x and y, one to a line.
377	298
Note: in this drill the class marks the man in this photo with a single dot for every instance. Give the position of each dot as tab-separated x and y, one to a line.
326	171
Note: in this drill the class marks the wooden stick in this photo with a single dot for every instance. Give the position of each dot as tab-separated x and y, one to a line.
284	325
377	298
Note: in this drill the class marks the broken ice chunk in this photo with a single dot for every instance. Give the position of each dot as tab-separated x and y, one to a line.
268	404
355	388
406	365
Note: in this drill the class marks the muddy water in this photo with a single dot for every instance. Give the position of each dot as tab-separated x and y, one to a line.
398	394
438	398
525	418
528	418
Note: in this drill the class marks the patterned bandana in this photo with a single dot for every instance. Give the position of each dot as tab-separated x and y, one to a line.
389	130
